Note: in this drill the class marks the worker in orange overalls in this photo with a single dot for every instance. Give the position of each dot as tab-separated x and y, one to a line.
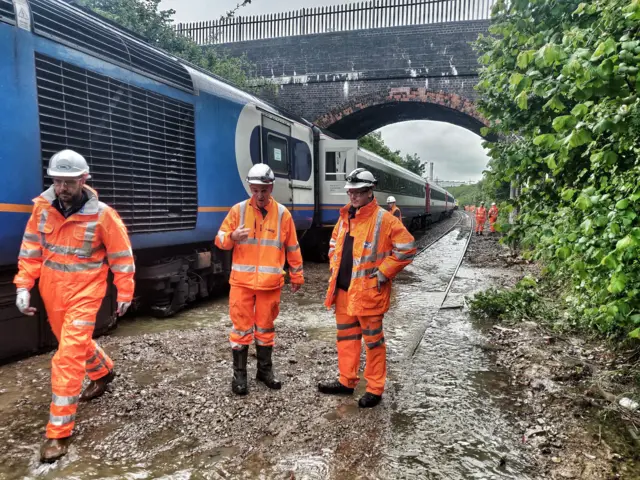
393	208
368	248
481	218
493	217
70	242
261	233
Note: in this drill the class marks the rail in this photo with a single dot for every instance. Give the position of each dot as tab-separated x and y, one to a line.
353	16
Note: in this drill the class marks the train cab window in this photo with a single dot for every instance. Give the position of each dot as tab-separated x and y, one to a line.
278	154
336	166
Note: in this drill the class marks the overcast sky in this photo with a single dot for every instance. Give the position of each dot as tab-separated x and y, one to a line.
457	152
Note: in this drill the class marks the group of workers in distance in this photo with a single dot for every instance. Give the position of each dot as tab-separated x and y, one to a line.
481	216
72	239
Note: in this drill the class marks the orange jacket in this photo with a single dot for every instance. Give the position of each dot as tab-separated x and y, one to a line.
395	211
381	242
75	251
481	214
493	212
258	261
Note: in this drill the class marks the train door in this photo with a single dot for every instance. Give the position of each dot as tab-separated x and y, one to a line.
276	136
337	159
428	199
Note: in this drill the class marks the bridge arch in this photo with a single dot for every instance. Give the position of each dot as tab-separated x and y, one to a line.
366	113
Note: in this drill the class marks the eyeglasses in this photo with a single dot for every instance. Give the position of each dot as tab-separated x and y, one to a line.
69	182
358	193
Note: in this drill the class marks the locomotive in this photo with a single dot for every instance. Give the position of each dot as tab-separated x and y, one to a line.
169	146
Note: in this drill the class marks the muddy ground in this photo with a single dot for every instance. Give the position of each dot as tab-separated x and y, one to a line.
455	407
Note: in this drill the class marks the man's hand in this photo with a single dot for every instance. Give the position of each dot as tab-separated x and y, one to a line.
122	308
381	278
295	287
23	300
240	234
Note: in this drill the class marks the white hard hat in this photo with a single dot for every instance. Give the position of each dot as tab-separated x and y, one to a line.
360	178
391	199
67	163
261	174
493	203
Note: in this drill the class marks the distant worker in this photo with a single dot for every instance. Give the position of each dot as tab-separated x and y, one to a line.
393	208
368	248
261	233
481	218
67	243
493	217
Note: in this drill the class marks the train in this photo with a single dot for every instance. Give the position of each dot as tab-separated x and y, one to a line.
169	146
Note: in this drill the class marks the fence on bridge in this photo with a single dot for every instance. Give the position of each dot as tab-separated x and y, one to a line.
353	16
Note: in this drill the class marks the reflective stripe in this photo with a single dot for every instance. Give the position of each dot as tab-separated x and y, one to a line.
122	254
332	242
273	270
331	250
272	243
371	258
83	323
30	253
375	344
59	401
293	248
89	235
97	368
404	246
243	268
363	273
376	230
248	241
403	256
60	421
295	269
265	330
63	250
123	268
350	337
73	267
43	220
221	236
242	333
31	237
347	326
237	346
260	342
371	333
281	210
243	209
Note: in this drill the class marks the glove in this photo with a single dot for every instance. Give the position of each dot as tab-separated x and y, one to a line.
122	308
23	299
381	278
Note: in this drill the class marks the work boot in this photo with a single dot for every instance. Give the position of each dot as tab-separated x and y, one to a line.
97	387
53	449
369	400
239	383
265	367
334	387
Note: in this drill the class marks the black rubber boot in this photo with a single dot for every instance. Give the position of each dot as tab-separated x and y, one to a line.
369	400
53	449
239	383
334	387
265	368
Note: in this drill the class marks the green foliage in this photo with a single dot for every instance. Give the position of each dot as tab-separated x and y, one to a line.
523	302
374	143
559	84
144	18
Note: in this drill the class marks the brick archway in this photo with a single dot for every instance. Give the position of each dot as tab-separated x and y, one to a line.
367	113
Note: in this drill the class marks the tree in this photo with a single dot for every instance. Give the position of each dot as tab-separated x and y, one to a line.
144	18
559	82
375	144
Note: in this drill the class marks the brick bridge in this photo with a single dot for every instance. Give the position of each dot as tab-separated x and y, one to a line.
358	67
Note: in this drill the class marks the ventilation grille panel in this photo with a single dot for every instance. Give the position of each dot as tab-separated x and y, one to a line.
6	11
62	23
140	145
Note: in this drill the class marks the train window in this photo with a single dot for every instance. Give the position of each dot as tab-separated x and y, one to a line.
301	161
278	154
335	166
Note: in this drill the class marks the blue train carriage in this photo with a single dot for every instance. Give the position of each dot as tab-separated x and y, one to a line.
168	146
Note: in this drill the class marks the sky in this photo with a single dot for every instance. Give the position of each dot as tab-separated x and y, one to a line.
457	153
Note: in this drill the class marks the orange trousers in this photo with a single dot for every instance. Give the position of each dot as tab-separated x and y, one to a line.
349	342
480	223
72	321
492	223
253	313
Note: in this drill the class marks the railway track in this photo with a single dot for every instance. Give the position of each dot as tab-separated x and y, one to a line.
461	218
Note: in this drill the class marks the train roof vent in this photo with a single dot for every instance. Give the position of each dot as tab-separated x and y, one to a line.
81	31
6	11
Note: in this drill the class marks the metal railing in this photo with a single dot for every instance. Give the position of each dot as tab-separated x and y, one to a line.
353	16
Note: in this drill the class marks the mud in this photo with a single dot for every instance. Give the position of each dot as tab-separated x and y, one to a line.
448	410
